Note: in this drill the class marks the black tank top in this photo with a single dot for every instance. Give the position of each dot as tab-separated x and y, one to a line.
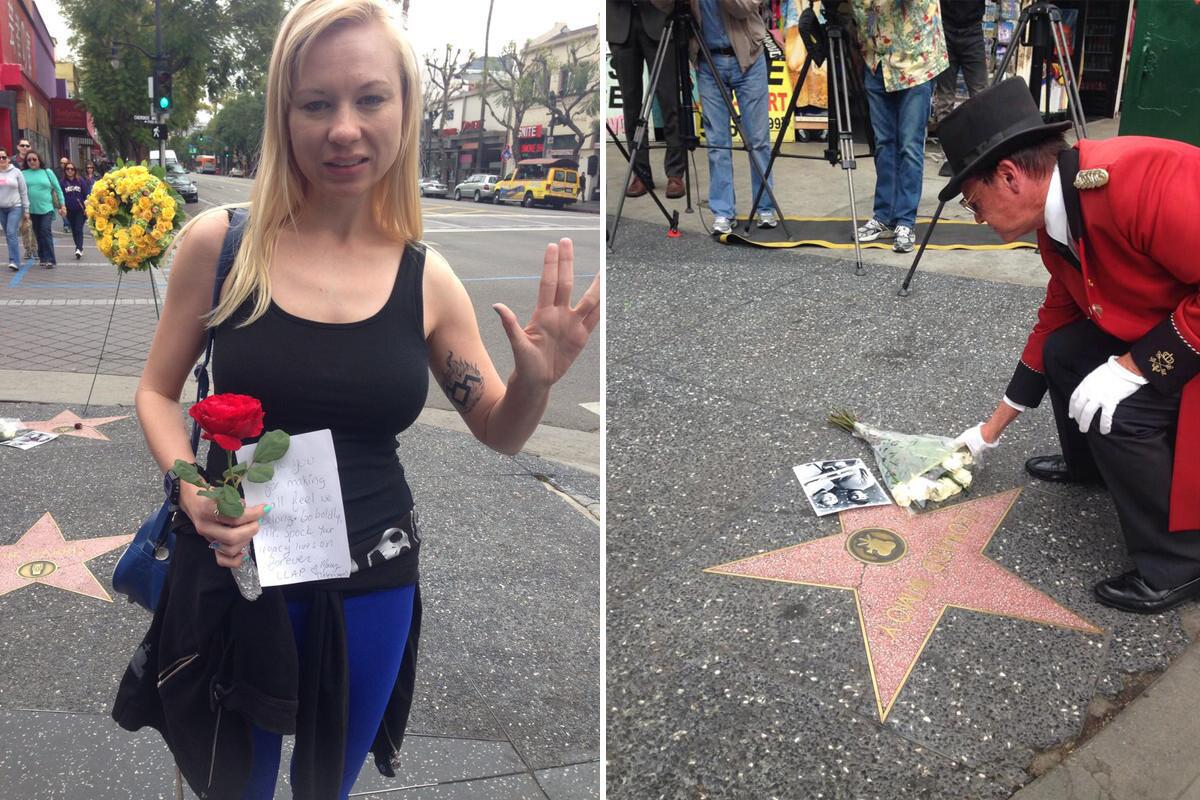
366	381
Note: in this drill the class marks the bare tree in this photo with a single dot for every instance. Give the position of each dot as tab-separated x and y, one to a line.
445	78
517	88
578	96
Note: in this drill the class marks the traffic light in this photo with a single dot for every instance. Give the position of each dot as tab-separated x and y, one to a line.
162	91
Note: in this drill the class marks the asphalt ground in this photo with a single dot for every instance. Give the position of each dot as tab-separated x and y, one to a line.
723	364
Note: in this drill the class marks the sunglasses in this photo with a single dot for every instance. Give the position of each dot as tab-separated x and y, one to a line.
3	158
969	204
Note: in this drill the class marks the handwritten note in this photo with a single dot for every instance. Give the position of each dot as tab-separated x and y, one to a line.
304	536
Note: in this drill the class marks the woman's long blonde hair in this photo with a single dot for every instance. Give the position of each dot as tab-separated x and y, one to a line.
279	186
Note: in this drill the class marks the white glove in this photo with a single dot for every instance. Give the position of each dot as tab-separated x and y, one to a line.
972	439
1103	388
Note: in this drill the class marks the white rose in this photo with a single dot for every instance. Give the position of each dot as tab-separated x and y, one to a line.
965	456
920	488
8	428
943	489
901	495
952	462
962	476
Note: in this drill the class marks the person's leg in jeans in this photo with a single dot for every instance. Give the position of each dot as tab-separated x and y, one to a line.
12	232
43	231
721	198
76	217
884	122
912	117
753	96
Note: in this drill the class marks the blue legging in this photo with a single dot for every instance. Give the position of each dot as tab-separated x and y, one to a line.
377	626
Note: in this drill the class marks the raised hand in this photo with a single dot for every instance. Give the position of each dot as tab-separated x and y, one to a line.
546	347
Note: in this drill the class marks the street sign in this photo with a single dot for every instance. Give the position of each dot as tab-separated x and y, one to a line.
143	118
507	154
159	132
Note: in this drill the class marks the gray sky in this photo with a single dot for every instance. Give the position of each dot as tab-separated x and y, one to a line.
434	23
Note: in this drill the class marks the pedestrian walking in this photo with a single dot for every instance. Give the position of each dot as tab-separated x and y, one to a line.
61	174
89	172
28	239
14	207
45	200
1117	339
75	191
333	316
905	50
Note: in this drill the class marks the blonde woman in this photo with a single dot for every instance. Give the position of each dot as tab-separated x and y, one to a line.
332	316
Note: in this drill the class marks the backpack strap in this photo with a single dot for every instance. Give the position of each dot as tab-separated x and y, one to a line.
229	250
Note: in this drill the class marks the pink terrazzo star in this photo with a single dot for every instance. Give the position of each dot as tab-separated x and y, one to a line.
42	555
905	570
64	423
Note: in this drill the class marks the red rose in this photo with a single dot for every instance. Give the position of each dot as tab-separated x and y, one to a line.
227	419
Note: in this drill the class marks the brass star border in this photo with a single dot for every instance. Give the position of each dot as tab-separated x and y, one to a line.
905	570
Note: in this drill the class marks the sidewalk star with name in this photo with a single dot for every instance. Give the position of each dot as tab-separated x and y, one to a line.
42	555
64	423
905	570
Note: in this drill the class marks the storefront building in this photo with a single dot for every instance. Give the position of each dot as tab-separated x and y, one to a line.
27	81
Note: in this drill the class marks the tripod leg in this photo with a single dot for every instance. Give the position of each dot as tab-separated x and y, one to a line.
1074	104
921	250
841	105
640	136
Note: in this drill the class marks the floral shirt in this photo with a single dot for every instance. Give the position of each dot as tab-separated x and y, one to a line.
905	36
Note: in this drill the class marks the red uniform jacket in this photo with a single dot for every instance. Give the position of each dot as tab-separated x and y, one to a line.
1138	239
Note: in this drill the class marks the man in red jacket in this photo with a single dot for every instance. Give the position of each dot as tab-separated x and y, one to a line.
1117	339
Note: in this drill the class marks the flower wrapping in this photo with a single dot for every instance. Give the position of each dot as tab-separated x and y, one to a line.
134	214
916	468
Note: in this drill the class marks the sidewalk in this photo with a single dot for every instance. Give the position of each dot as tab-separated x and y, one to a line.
723	363
508	702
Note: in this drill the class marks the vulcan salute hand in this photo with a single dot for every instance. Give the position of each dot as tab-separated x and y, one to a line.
1103	389
556	333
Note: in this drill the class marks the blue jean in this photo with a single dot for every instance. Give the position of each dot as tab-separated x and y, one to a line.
377	626
750	89
43	228
10	220
899	119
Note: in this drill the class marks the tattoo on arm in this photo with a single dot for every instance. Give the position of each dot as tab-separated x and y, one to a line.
462	382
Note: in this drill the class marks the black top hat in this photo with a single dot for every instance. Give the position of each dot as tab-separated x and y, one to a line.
999	120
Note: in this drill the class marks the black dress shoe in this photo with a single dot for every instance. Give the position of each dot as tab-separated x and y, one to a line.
1049	468
1130	592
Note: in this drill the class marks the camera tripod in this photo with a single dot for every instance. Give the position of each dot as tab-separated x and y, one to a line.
1047	38
839	103
681	27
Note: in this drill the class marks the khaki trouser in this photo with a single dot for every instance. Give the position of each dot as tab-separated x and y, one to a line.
28	242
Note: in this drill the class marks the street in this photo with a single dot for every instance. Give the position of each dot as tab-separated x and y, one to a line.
55	321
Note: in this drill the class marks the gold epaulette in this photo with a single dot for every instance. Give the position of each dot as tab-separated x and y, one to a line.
1091	178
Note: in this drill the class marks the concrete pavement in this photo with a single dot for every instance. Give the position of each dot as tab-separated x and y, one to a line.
720	687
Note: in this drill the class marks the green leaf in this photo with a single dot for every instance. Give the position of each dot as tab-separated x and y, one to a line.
188	473
260	473
158	172
271	447
229	502
234	471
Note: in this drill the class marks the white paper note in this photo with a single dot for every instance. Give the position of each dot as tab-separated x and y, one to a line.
304	536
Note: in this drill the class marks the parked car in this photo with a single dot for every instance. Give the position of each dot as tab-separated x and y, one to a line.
181	181
431	187
478	187
237	172
548	181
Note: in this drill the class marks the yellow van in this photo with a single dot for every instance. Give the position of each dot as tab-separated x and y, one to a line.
548	181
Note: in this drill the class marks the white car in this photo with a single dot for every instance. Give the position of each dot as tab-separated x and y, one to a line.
236	172
431	187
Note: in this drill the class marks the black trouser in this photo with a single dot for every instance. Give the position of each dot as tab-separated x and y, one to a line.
966	51
1135	459
627	61
77	217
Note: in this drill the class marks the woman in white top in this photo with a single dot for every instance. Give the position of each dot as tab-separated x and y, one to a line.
14	206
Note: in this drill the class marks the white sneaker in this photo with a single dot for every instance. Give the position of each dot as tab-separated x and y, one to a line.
13	267
78	254
722	225
767	219
905	238
873	230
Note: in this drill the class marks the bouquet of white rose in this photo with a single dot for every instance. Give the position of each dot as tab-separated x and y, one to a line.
916	469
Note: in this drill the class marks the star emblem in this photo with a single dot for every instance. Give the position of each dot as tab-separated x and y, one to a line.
64	424
42	555
905	570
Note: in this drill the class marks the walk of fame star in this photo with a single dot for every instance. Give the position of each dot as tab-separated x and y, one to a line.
64	423
42	555
905	570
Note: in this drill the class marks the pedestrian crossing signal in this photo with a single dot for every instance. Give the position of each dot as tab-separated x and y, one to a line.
159	132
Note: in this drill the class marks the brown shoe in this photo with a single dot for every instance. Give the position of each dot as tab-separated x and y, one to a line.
636	188
674	186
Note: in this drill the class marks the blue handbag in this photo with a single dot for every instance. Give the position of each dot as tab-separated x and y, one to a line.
143	567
